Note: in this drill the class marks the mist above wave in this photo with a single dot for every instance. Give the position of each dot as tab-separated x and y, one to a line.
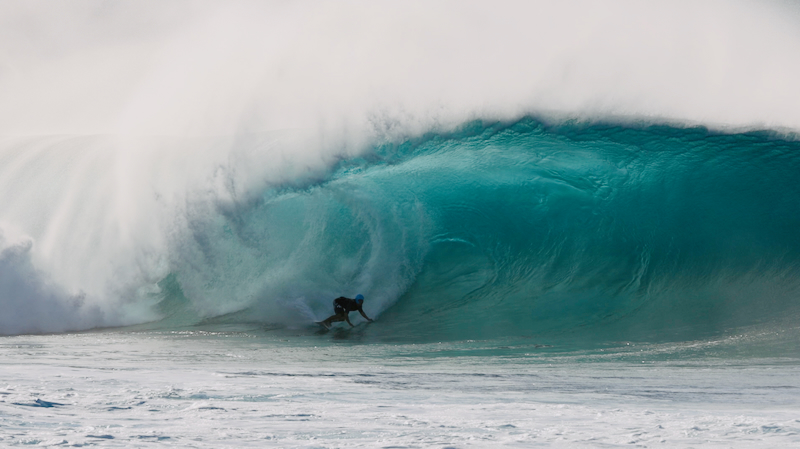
351	70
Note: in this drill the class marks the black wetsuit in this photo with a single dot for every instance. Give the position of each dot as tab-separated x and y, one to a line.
345	305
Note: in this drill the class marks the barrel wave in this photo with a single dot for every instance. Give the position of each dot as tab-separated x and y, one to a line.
539	170
515	230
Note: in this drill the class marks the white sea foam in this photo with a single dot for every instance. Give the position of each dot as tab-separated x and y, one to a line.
212	390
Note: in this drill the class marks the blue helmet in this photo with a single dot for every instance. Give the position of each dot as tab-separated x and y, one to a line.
359	298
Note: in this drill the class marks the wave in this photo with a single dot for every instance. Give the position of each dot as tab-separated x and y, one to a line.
536	168
493	230
521	229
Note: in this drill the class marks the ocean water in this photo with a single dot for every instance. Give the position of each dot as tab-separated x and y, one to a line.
250	388
575	225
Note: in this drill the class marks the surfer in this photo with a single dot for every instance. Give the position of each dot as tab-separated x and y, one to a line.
342	307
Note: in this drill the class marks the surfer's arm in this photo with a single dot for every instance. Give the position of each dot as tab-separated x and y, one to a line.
364	315
347	318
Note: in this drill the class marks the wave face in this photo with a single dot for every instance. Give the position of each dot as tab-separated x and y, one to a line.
494	230
521	230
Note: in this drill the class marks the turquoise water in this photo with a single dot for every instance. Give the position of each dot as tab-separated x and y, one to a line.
586	233
556	233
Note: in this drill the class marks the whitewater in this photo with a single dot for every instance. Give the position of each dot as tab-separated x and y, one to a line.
575	224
